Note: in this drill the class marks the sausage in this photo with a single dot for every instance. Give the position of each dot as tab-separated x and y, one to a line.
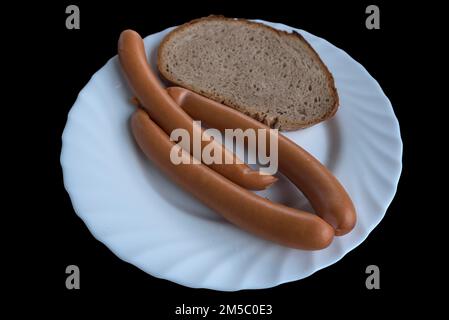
161	107
326	195
275	222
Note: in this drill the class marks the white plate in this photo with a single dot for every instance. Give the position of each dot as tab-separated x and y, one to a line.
149	222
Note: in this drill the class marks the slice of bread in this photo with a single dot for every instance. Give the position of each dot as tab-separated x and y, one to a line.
273	76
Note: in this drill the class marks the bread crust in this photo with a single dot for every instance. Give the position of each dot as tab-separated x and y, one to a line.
289	125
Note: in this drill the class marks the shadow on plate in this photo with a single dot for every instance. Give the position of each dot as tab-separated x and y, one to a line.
334	142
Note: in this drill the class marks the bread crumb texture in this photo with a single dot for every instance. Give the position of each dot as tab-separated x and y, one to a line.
273	76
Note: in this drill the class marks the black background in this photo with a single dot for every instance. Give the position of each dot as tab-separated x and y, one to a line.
65	61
